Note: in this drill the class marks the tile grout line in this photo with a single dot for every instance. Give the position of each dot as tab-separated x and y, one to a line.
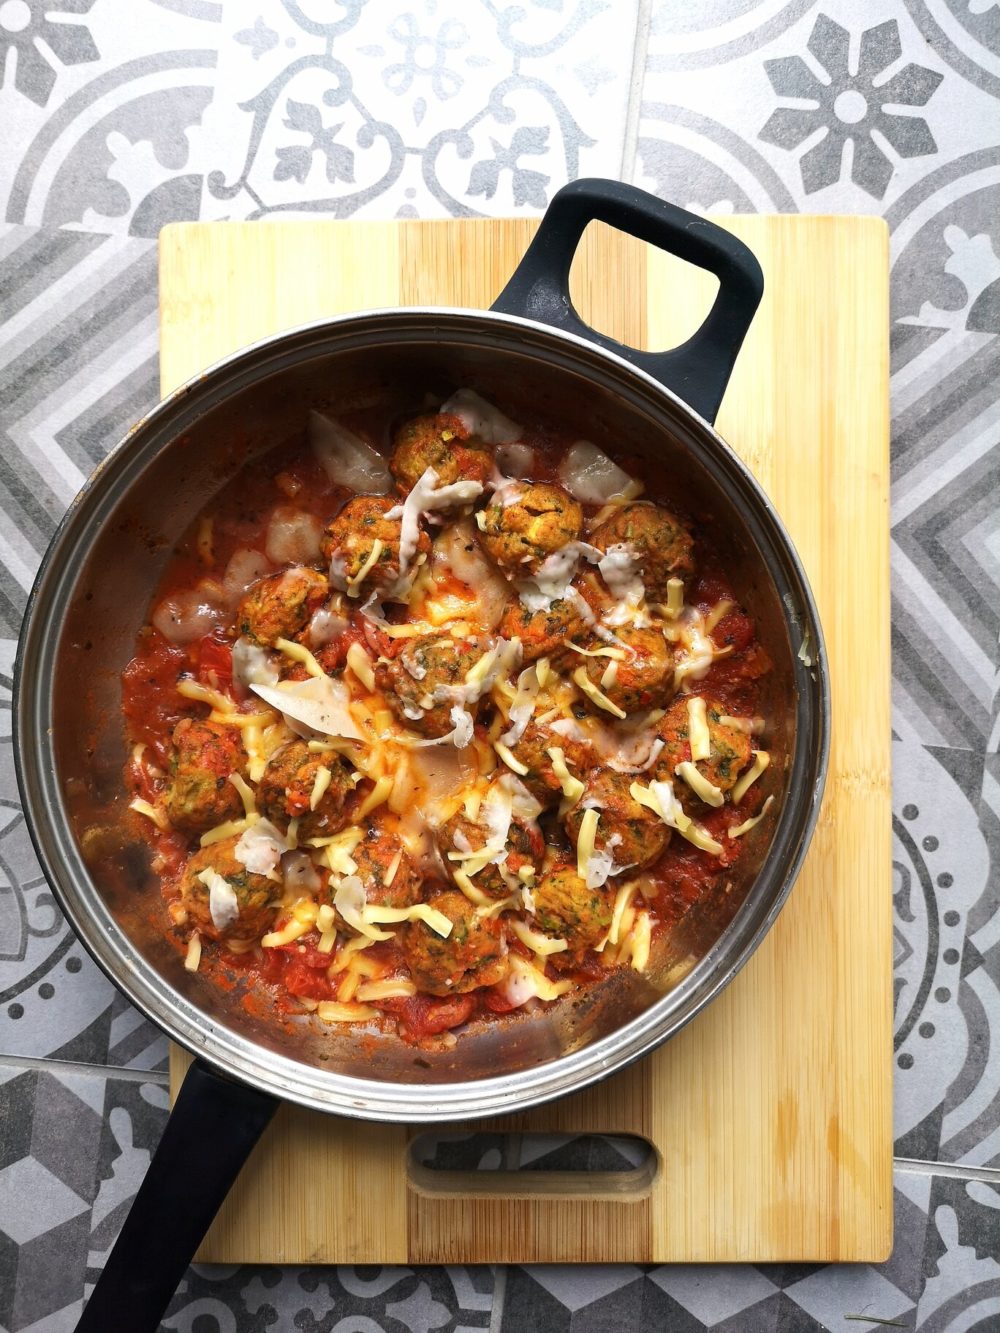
49	1066
954	1171
499	1297
639	51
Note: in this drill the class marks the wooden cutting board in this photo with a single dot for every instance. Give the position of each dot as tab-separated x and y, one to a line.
771	1114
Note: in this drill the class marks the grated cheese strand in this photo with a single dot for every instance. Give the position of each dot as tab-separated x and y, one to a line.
761	759
298	652
588	687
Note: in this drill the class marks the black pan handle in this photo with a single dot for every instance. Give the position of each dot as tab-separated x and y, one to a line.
212	1128
697	371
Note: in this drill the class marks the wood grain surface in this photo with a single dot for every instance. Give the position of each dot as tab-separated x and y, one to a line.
770	1115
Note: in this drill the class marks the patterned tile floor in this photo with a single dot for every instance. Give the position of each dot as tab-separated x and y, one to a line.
120	115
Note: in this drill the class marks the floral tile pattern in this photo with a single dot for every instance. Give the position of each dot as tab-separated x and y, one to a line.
257	108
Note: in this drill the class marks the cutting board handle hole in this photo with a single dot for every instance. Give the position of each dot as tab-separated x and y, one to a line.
599	1166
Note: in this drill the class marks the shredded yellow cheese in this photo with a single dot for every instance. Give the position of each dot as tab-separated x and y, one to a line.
474	895
618	654
390	989
193	956
534	940
610	676
513	764
675	598
393	867
761	759
204	694
376	797
623	901
321	785
292	930
361	664
227	830
152	812
542	672
700	785
543	987
246	792
748	824
430	916
639	941
698	733
245	720
325	917
332	1012
588	687
298	652
353	585
572	787
292	835
585	841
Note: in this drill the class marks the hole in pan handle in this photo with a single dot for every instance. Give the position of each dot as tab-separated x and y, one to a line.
211	1131
697	371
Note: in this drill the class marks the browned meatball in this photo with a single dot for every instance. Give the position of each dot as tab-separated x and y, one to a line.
524	844
440	441
566	909
256	895
200	794
532	750
281	605
730	749
374	856
473	955
420	684
349	540
641	835
287	785
541	632
662	542
644	678
519	534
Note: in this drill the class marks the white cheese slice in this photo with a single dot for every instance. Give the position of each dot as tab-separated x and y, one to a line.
318	704
590	475
427	496
223	905
481	418
253	665
261	847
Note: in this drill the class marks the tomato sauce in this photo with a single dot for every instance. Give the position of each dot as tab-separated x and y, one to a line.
296	977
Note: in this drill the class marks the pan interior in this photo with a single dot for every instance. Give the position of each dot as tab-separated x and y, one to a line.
93	595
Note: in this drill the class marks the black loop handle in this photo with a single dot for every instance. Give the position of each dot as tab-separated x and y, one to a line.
211	1131
697	371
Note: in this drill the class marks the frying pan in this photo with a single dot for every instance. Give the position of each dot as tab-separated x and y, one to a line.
530	351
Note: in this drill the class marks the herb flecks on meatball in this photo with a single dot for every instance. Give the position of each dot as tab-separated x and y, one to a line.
663	545
637	673
361	546
566	909
424	682
200	794
281	605
254	895
439	441
525	523
729	754
292	781
473	955
631	832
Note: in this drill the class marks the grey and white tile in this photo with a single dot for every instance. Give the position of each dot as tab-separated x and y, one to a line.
434	108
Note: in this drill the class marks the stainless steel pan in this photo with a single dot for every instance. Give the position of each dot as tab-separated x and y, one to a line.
91	596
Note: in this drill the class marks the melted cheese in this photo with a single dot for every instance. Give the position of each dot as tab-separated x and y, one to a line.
525	982
481	418
227	830
572	787
353	585
192	958
376	797
320	786
543	945
298	652
361	664
700	785
761	759
390	989
698	733
749	824
427	496
585	841
512	763
152	812
659	797
291	931
330	1011
193	689
260	847
588	687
